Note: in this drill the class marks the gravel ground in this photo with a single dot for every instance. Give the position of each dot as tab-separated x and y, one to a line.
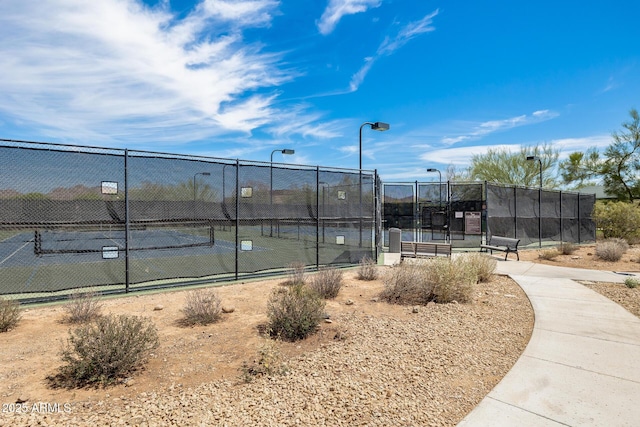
417	366
619	293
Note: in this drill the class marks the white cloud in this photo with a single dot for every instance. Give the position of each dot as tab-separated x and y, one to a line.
89	69
476	131
461	156
336	9
391	44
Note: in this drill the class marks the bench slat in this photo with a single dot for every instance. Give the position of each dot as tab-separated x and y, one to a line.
415	249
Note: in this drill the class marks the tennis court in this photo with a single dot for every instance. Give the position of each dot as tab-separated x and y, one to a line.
77	217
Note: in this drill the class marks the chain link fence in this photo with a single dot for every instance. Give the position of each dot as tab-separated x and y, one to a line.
535	215
466	214
114	220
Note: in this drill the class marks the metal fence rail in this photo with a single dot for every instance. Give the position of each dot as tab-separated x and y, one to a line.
76	217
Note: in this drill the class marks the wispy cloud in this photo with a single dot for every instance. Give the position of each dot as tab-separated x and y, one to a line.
610	85
461	156
477	131
89	69
336	9
391	44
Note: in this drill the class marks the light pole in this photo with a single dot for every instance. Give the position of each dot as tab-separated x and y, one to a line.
194	182
324	186
439	185
381	127
224	197
532	158
283	151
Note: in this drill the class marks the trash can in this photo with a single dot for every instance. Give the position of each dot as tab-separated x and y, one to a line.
395	236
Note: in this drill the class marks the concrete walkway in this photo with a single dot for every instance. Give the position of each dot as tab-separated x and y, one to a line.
582	364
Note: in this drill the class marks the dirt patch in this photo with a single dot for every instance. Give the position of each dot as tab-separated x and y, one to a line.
374	364
374	361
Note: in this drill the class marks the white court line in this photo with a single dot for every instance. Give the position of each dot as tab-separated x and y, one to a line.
16	251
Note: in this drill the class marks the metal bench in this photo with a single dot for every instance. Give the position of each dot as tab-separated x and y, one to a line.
420	249
503	244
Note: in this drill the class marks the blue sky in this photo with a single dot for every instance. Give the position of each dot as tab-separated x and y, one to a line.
239	79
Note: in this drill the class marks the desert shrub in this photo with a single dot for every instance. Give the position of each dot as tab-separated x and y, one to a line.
105	351
621	242
367	269
202	307
407	283
482	265
327	282
296	274
618	219
631	282
439	279
567	248
548	254
610	250
82	307
452	280
294	312
9	314
268	362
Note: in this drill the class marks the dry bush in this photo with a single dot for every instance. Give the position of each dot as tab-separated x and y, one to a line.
294	312
621	242
202	307
105	351
82	307
453	280
567	248
296	274
367	269
482	264
548	254
439	279
407	283
269	362
611	249
9	314
327	282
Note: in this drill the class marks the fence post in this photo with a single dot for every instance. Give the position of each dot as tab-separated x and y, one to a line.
515	213
540	217
377	223
237	214
126	221
317	217
561	221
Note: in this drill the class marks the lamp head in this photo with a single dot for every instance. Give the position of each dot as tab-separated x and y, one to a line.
432	170
206	173
288	151
380	126
532	158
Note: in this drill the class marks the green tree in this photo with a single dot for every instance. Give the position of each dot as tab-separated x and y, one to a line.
581	167
621	169
618	167
500	165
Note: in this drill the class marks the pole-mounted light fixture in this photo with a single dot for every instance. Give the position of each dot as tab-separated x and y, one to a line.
380	127
283	151
533	158
439	184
